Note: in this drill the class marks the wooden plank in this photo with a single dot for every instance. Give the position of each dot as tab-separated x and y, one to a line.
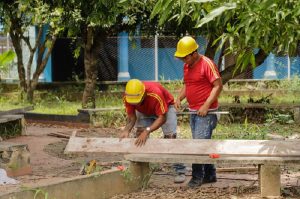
186	146
17	111
9	118
92	110
205	159
59	135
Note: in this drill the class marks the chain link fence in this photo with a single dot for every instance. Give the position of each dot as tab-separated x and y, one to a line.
152	58
145	58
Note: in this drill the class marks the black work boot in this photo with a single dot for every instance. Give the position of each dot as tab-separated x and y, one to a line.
197	175
210	179
209	174
195	182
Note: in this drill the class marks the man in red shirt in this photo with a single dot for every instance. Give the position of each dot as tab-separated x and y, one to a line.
150	106
202	87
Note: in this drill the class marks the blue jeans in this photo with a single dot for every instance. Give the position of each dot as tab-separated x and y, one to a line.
202	128
169	127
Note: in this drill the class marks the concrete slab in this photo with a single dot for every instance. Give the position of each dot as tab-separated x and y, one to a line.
15	158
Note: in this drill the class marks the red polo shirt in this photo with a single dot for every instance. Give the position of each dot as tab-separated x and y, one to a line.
156	101
199	82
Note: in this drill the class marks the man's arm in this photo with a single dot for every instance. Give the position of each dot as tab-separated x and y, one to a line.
160	120
131	119
214	94
180	97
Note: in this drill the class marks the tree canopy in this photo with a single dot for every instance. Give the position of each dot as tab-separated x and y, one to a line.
238	27
248	30
98	19
18	17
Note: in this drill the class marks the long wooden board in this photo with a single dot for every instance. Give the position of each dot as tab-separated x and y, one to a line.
267	148
16	111
205	159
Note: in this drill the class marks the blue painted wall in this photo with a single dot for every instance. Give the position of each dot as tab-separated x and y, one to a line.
280	65
47	73
141	63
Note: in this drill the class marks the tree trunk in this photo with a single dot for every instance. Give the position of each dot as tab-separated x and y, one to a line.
210	49
42	59
90	67
227	74
14	33
29	94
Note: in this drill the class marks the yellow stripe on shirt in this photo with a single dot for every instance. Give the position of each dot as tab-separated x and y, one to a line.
211	65
159	100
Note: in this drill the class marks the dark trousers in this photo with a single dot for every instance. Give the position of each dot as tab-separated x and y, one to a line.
203	170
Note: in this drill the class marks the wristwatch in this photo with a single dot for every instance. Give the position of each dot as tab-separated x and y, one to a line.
148	129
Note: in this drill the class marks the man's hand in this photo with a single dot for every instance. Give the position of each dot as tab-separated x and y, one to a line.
123	134
177	105
141	140
203	110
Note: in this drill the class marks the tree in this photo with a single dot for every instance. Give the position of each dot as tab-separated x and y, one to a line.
237	27
17	17
97	20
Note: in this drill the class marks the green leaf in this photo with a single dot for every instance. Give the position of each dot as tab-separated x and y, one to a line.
183	10
252	60
246	60
157	8
267	4
167	10
7	57
240	59
215	13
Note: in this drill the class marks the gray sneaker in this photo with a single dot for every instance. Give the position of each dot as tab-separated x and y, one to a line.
179	178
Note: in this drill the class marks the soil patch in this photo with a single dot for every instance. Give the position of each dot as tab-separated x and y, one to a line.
50	164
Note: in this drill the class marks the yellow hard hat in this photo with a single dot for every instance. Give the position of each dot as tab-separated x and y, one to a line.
134	91
185	46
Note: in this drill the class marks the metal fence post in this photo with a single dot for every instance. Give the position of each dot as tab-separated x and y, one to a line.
156	57
289	67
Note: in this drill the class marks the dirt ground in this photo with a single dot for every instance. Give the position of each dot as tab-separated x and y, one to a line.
49	164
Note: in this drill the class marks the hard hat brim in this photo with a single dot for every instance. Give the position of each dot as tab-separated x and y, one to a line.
133	99
177	54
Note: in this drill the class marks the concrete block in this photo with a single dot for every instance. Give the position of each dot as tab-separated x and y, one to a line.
15	158
269	179
101	185
140	172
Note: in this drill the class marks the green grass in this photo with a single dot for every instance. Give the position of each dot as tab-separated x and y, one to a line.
239	131
64	102
10	129
288	98
8	102
54	104
286	84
